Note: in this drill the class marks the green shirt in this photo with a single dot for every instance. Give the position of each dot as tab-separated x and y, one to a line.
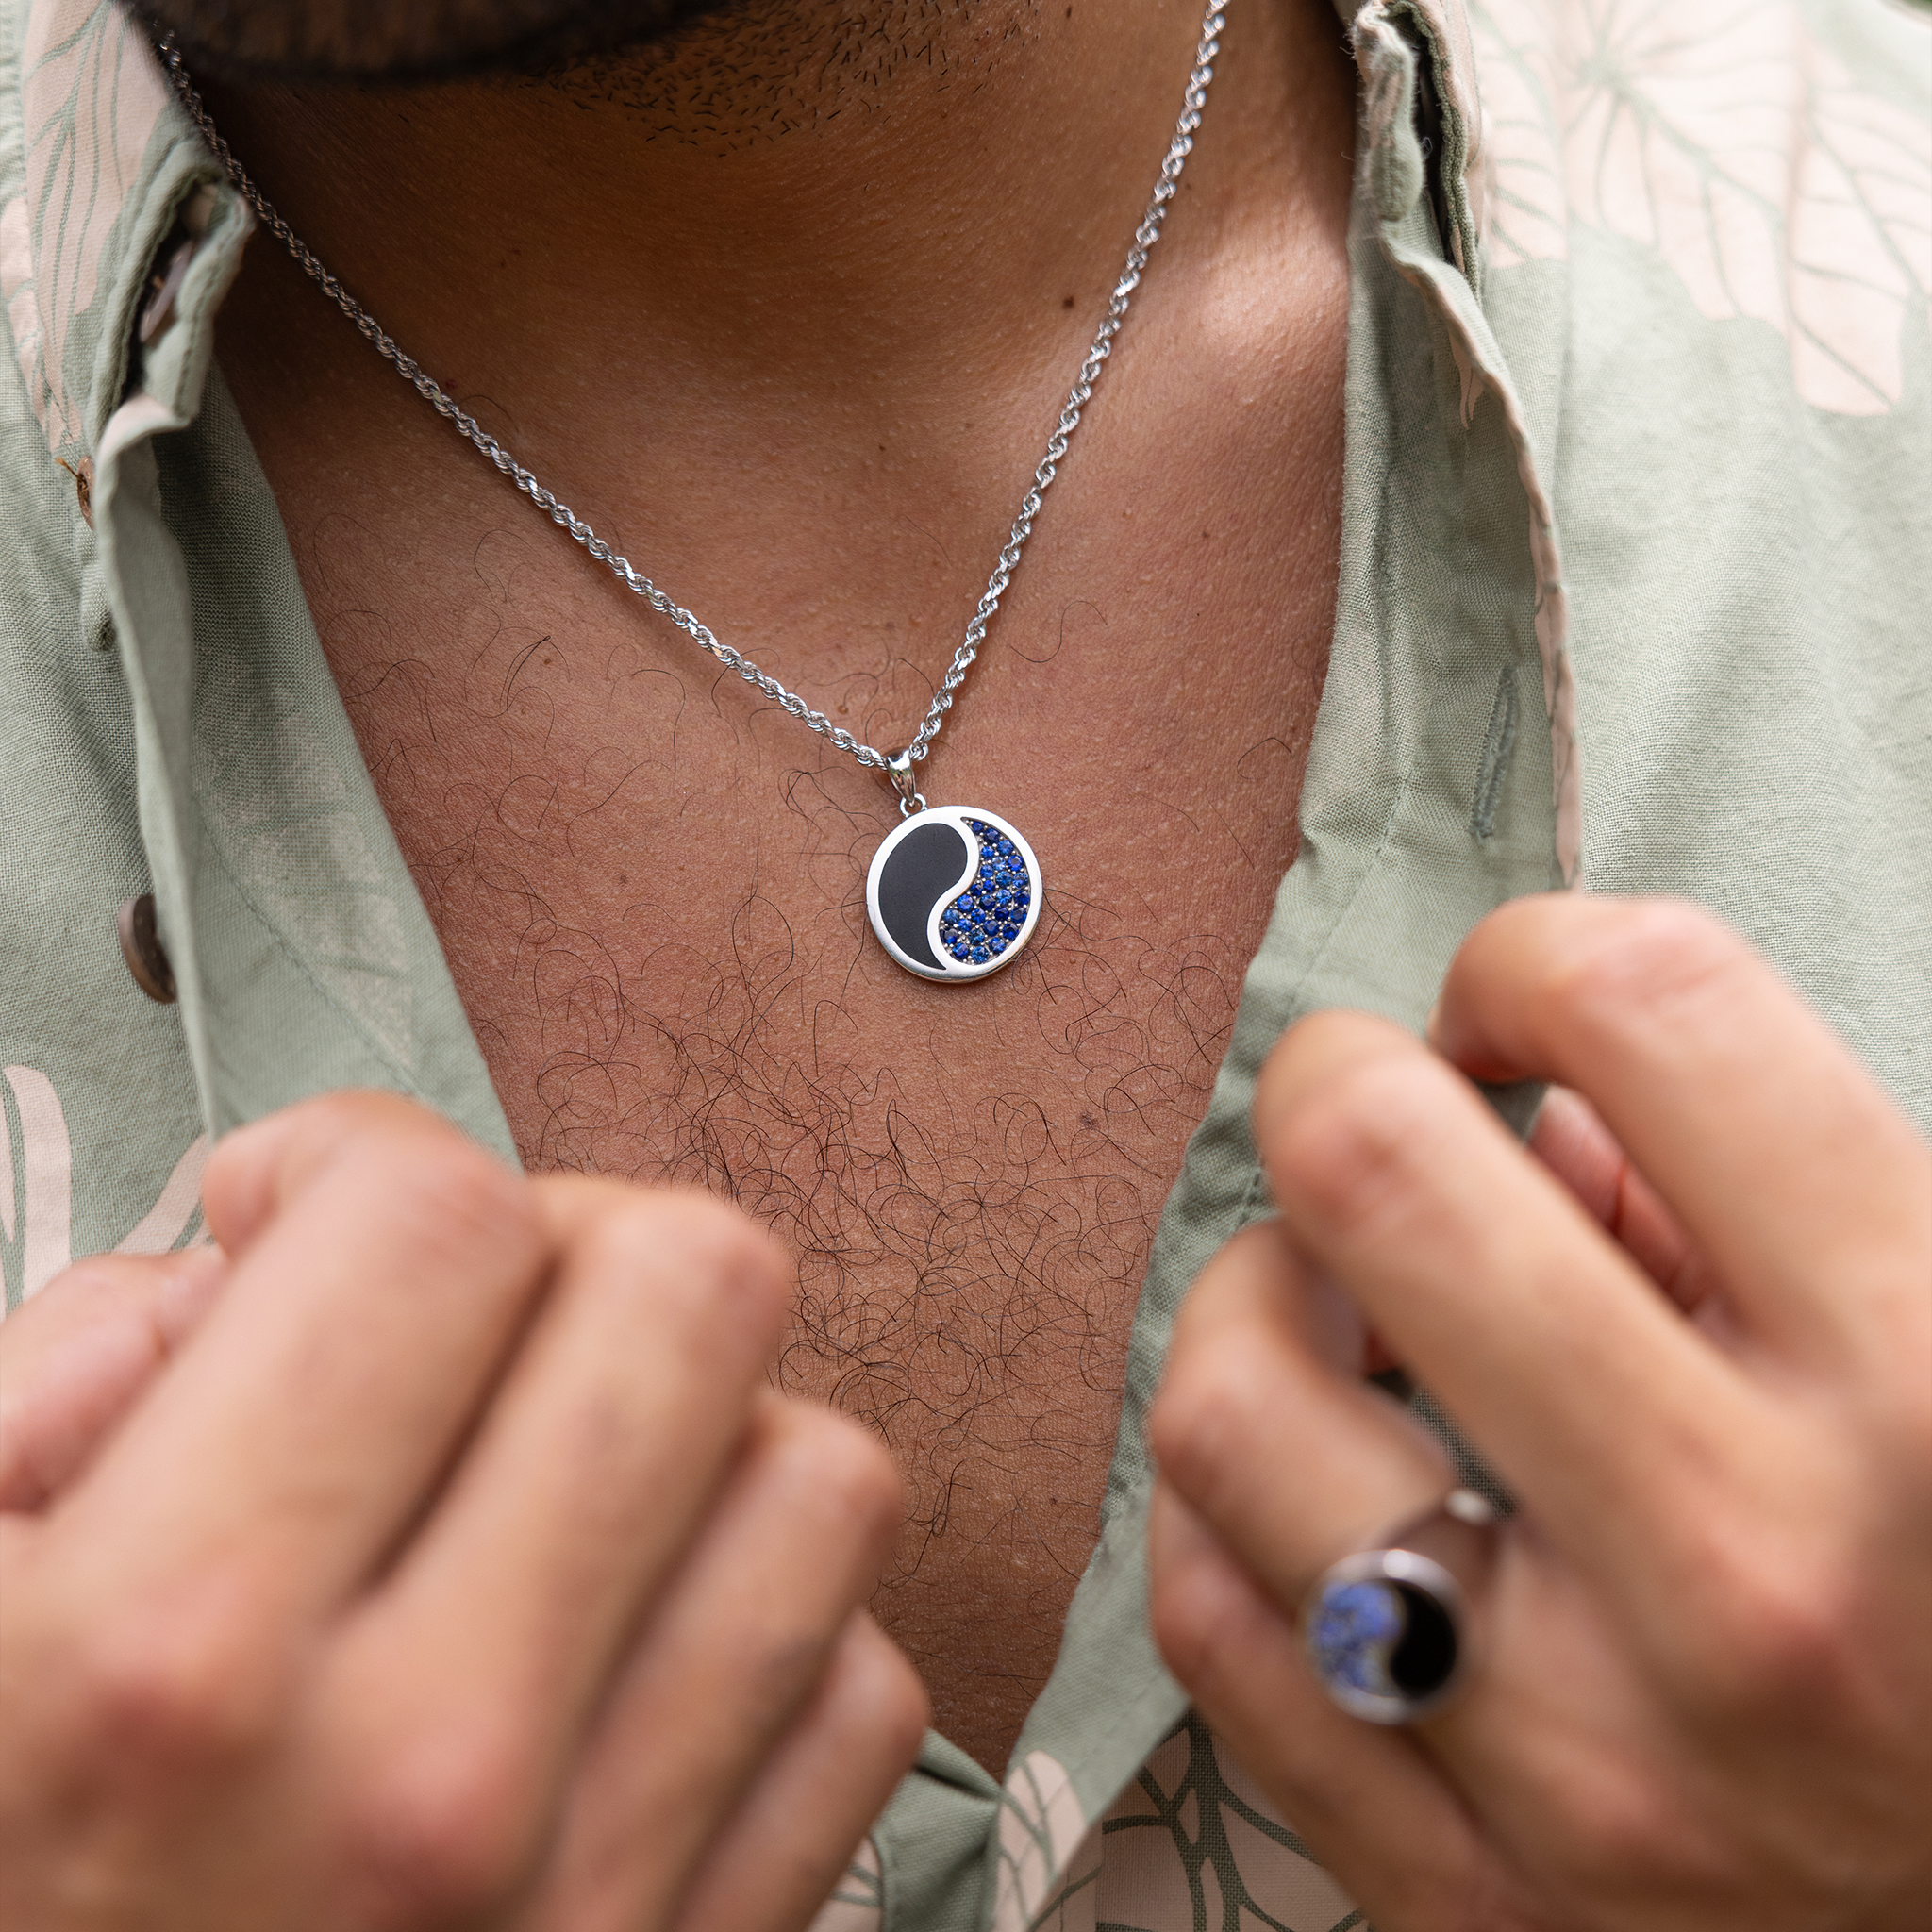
1638	384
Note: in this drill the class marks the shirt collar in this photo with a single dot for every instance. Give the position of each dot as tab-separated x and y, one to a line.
78	244
75	247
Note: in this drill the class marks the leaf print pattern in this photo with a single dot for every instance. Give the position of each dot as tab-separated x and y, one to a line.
1041	1828
1720	133
1193	1846
857	1902
176	1209
37	1191
91	95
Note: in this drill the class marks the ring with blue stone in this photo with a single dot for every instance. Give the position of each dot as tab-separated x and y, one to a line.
1388	1631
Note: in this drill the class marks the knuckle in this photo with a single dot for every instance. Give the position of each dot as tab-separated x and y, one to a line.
729	1247
172	1689
436	1835
1613	1828
839	1463
354	1112
290	1147
103	1277
903	1710
727	1265
1198	1407
1910	1421
1899	1393
896	1712
876	1695
1186	1625
1199	1625
458	1197
1774	1638
1651	952
1347	1154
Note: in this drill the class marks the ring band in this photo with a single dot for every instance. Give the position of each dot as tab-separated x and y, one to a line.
1388	1630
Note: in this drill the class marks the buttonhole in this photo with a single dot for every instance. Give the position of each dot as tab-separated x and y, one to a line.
1494	768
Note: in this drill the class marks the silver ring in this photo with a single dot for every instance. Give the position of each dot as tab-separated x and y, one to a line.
1388	1631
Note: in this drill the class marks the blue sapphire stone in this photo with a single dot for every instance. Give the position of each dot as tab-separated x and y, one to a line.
1353	1630
986	920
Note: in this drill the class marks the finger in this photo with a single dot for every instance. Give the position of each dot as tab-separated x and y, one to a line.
1372	1808
719	1672
1591	1395
590	1475
254	1171
1290	1458
77	1356
359	1329
788	1846
1552	1715
1768	1140
1570	1139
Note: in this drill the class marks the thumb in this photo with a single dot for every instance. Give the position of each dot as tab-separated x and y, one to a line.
78	1357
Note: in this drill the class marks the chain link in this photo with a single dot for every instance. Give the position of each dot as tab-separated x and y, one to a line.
560	513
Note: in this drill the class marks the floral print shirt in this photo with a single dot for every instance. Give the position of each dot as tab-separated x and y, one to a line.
1635	579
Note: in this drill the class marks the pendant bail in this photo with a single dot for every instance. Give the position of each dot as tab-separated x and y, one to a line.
899	771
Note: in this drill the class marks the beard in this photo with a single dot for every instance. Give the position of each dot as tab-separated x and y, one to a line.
721	75
717	74
305	41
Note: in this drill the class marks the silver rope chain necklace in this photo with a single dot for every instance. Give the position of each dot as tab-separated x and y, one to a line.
954	891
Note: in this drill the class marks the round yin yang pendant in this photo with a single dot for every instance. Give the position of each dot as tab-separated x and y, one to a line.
954	892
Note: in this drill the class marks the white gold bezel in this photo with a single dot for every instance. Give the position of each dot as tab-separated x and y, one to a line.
953	972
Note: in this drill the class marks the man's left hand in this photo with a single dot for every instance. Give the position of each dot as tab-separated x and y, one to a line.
1695	1339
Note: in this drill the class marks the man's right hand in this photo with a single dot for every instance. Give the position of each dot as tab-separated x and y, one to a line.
460	1569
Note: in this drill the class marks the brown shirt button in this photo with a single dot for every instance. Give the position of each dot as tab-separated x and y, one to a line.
83	475
140	946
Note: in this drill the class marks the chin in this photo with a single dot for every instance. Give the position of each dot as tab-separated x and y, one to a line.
417	39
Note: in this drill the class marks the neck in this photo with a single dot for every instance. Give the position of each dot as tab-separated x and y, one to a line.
798	365
919	212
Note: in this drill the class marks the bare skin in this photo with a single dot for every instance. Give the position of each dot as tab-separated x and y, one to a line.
390	1567
1692	1339
798	362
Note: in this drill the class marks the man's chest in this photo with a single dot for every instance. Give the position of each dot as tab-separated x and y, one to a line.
650	882
650	885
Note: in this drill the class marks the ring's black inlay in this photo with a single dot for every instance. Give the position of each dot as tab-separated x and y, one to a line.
1422	1658
923	867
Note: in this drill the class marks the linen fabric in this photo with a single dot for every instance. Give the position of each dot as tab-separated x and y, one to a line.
1635	573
